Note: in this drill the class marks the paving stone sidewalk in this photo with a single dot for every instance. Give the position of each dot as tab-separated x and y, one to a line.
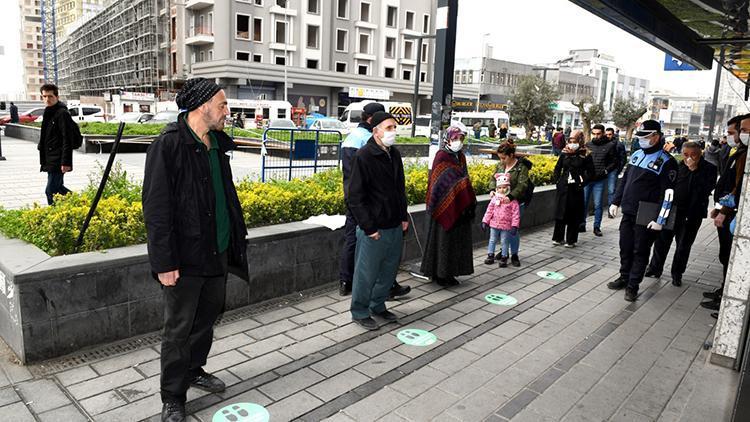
569	350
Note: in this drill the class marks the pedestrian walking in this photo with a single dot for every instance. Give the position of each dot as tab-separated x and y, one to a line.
451	204
196	235
377	200
727	194
614	176
604	155
649	178
712	152
573	170
558	142
695	181
477	129
503	131
14	113
353	142
492	129
56	142
725	150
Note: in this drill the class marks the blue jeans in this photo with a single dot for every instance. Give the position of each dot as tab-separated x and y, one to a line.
375	267
598	189
611	185
504	236
55	185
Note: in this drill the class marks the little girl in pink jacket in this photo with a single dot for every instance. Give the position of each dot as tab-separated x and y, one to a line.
503	217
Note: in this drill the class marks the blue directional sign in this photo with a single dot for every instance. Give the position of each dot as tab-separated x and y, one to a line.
672	63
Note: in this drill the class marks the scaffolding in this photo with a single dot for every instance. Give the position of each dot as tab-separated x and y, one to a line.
117	50
49	41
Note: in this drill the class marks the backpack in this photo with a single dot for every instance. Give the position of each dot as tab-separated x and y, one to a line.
75	130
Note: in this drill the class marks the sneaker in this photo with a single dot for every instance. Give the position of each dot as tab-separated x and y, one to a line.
503	262
676	280
711	304
398	290
386	315
556	243
618	284
490	259
597	232
651	273
715	295
631	294
367	323
345	288
515	261
173	411
570	245
207	382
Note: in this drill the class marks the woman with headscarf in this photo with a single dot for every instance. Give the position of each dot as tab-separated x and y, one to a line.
451	204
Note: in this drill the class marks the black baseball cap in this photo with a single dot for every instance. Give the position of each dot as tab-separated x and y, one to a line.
648	128
372	108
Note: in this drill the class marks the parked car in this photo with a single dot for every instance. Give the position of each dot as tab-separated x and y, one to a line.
86	113
281	124
135	117
329	123
26	117
167	116
422	123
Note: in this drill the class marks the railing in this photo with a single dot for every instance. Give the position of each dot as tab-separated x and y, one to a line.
294	153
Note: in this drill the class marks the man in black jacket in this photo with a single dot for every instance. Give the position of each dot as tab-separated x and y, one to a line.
622	160
695	181
604	153
196	234
55	142
377	199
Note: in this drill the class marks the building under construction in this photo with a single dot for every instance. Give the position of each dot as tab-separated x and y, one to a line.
117	50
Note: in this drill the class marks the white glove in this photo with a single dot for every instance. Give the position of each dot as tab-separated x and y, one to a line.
614	209
654	226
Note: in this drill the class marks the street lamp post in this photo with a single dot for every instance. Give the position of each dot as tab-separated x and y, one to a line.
415	97
482	62
286	53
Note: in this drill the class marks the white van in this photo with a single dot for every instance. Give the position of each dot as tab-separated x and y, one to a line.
401	111
255	112
423	126
485	118
86	113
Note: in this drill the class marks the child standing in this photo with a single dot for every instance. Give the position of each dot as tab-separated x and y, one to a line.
503	217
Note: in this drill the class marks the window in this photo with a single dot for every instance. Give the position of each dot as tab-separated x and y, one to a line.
364	12
202	56
422	76
363	69
281	3
343	9
425	52
364	43
210	55
390	47
389	72
341	67
312	64
174	28
341	40
457	77
281	32
258	29
242	55
312	36
257	58
391	17
280	60
426	24
174	61
407	75
408	47
409	20
313	6
242	24
258	2
281	113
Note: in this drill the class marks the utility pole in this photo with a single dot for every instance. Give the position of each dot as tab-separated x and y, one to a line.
442	85
415	97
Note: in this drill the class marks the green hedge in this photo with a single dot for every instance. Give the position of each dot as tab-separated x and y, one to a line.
119	218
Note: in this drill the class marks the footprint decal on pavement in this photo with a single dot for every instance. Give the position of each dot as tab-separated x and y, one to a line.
242	412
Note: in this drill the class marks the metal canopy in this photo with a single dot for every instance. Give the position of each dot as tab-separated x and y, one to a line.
691	30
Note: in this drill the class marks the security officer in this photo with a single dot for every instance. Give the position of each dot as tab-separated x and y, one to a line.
354	141
650	177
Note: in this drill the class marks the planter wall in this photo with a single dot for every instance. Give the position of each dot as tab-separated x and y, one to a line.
91	143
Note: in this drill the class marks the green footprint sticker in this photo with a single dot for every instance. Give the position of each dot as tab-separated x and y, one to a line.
501	299
550	275
416	337
242	412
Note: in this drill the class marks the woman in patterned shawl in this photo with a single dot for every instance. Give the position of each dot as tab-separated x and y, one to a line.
451	204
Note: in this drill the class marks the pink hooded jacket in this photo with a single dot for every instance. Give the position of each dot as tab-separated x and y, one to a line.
502	216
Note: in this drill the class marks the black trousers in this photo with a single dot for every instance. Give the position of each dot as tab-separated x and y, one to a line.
346	266
635	248
684	234
725	248
566	230
191	309
55	185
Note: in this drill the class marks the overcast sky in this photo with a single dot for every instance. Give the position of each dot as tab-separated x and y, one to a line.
10	63
543	31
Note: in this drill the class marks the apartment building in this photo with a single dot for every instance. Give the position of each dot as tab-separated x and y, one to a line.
31	48
70	14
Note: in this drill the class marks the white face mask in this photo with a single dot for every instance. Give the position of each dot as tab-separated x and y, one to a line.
644	143
730	141
389	138
573	147
455	146
744	137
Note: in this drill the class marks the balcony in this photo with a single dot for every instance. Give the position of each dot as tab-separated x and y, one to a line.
198	4
200	36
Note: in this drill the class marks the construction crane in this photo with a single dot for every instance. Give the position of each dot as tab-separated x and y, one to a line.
49	40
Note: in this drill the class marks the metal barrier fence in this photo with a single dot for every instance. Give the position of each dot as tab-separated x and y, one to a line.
292	153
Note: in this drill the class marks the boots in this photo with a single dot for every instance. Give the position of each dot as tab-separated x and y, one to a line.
490	259
503	261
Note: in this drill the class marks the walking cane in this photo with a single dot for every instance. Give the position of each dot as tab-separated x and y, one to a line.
102	184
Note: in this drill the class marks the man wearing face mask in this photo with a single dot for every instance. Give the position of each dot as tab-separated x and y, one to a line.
649	177
604	154
377	199
695	181
727	197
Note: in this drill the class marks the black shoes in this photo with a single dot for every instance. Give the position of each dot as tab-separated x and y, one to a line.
676	280
387	315
651	273
367	323
515	261
597	232
173	411
345	288
398	290
207	382
447	282
503	262
712	304
490	259
618	284
631	295
715	295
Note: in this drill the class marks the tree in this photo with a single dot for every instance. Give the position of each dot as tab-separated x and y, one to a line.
531	104
590	114
626	112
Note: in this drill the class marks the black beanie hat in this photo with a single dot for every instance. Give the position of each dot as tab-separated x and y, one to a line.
379	117
195	93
